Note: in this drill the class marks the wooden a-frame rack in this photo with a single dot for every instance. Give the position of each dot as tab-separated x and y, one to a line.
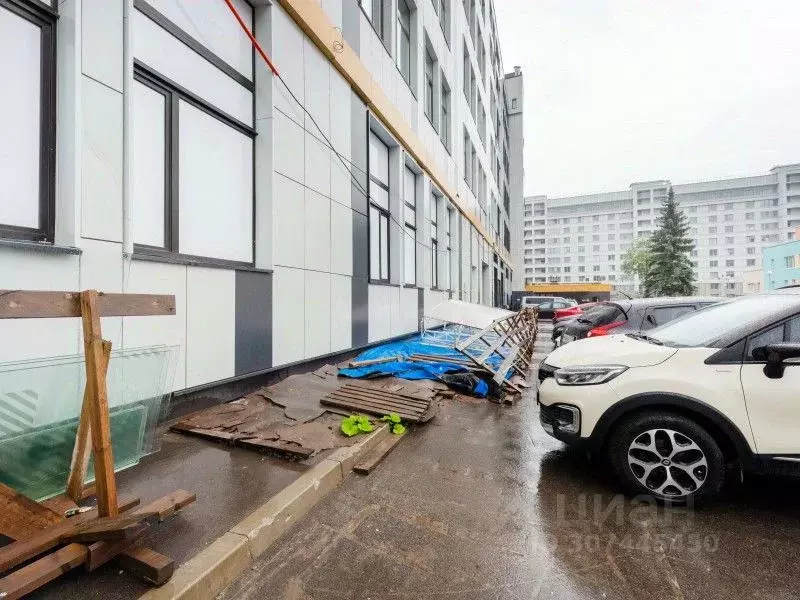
115	527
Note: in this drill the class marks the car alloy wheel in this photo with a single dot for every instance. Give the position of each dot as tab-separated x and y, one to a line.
667	463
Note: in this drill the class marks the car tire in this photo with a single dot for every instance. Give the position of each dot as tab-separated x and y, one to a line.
667	456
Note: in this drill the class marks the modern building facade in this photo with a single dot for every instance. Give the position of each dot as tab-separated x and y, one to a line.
293	216
781	264
583	239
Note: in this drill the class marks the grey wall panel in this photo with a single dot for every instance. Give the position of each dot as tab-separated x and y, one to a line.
351	23
253	321
358	156
360	311
358	153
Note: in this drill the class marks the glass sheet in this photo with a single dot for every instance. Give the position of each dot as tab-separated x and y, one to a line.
40	403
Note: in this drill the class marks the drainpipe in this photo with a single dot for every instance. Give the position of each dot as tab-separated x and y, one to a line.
127	140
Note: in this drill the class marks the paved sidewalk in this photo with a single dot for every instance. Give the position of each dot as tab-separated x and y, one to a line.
481	503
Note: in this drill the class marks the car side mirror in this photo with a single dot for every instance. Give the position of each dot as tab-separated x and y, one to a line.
775	356
651	319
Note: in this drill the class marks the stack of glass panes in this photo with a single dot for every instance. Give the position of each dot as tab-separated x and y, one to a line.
40	404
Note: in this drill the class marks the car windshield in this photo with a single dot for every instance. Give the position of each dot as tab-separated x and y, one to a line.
701	328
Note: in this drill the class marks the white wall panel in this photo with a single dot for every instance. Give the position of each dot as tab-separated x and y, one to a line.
101	270
288	312
161	51
289	230
289	147
20	58
409	310
210	325
213	25
317	231
38	338
341	183
341	126
101	165
318	90
216	187
318	165
395	320
341	309
318	314
287	53
149	152
341	239
379	326
101	41
137	332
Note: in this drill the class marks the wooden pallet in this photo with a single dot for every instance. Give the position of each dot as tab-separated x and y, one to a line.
360	398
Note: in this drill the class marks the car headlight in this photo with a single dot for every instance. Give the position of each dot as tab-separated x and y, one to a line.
588	375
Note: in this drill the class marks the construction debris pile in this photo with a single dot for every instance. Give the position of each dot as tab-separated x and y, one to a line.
465	349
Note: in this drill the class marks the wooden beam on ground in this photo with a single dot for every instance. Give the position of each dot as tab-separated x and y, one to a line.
33	576
381	451
126	527
18	552
356	364
147	564
21	517
82	450
97	390
102	552
30	304
59	504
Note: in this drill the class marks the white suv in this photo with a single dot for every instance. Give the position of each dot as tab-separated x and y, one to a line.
671	409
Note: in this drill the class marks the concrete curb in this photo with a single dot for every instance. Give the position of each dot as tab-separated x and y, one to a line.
208	573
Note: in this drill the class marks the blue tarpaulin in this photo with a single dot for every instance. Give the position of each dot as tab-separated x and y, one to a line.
406	369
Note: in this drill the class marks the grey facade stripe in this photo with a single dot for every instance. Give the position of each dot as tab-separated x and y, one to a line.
358	203
253	322
351	23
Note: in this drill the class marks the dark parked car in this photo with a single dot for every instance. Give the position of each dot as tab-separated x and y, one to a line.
547	309
627	316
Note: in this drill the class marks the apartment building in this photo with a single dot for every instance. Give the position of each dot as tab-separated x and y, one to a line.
294	214
583	238
781	264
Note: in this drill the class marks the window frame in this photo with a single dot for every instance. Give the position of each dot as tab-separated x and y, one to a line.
434	223
429	66
173	94
404	33
45	18
445	129
383	215
409	226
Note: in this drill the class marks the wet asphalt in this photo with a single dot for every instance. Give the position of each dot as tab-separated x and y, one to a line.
481	504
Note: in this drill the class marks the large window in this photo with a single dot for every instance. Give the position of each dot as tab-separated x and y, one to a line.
378	209
192	175
444	131
27	121
404	39
375	10
448	248
410	226
444	17
434	218
429	66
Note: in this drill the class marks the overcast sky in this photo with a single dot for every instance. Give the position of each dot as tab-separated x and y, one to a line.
618	91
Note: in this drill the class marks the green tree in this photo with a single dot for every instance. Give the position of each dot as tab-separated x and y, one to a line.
636	259
669	270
